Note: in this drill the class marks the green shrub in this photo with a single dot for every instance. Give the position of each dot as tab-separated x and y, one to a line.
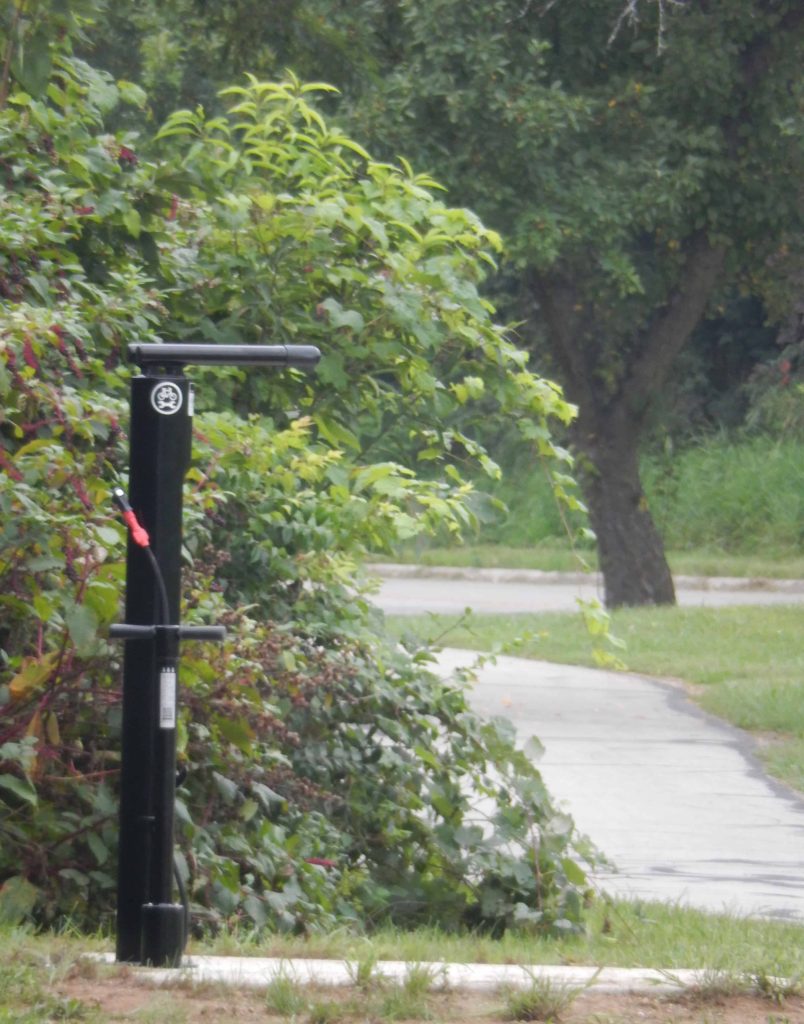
741	496
330	776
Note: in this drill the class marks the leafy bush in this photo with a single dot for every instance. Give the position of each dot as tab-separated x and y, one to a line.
330	776
740	495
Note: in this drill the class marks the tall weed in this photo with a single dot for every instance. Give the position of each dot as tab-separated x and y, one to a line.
742	497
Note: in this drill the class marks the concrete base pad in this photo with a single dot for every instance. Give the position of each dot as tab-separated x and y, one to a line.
259	972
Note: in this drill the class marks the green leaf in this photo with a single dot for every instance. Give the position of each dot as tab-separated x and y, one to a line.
17	900
336	433
131	93
256	910
41	286
82	624
32	62
98	847
267	797
340	317
20	788
442	805
226	787
575	874
237	731
41	563
133	222
468	835
104	600
288	661
249	809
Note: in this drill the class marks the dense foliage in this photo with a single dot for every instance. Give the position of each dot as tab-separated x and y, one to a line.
641	158
330	775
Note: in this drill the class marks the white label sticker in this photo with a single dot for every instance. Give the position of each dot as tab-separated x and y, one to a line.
167	698
167	398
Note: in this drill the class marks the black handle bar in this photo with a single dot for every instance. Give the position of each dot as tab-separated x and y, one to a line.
124	631
180	354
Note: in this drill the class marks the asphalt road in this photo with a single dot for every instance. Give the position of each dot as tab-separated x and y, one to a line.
409	590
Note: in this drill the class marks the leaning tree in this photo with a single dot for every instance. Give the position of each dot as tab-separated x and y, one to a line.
637	165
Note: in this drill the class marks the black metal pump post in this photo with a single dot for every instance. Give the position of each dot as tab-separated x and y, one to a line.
151	928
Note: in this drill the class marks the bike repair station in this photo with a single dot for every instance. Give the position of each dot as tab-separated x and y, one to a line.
152	928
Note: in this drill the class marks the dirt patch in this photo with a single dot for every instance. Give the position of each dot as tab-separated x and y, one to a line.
121	995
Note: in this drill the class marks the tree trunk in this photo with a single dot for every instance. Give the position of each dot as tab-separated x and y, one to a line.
613	385
630	548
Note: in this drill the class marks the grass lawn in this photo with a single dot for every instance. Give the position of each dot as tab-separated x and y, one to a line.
617	934
745	664
554	556
42	977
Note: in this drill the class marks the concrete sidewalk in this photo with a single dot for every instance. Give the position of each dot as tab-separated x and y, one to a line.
673	796
259	972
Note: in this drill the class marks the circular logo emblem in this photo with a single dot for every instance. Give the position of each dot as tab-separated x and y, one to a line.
166	398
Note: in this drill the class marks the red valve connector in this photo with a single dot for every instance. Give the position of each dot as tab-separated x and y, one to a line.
138	533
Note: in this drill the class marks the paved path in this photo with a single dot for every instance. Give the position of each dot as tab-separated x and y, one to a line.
674	797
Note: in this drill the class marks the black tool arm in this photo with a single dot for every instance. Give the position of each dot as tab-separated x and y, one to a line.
146	354
124	631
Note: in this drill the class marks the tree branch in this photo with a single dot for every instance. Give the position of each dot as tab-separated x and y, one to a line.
670	329
630	14
668	334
